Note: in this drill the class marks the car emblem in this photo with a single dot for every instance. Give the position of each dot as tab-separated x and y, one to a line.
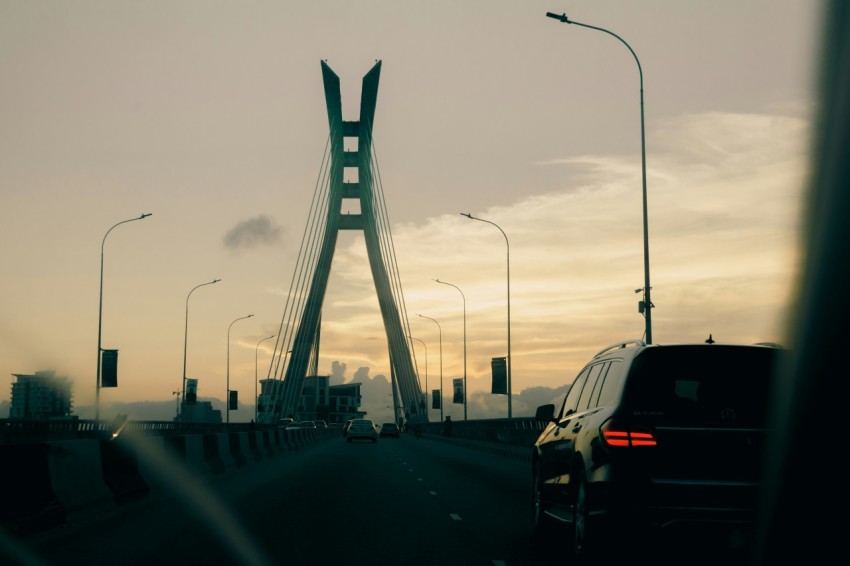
727	414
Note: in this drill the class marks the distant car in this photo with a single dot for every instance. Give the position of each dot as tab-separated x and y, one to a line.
389	430
321	424
307	424
654	440
345	427
362	429
284	422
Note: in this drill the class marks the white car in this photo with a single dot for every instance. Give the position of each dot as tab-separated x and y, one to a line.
363	429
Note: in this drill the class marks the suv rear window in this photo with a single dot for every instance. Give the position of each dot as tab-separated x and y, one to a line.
716	386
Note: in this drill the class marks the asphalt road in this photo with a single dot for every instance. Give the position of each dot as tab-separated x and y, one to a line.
416	502
400	501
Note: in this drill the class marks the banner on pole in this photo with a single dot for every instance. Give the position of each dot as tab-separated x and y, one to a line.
435	399
458	390
109	368
232	400
500	376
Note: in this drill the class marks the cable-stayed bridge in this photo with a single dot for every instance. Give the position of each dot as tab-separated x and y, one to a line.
296	354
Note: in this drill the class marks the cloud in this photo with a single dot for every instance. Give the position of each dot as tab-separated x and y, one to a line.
337	376
723	191
252	233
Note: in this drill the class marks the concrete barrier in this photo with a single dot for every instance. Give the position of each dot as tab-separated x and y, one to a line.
251	442
211	455
45	484
28	501
265	442
280	441
120	468
226	453
156	452
236	449
76	476
195	457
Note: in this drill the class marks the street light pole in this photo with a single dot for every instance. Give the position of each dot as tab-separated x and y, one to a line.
510	387
100	314
464	342
426	365
186	333
441	363
647	305
227	393
256	377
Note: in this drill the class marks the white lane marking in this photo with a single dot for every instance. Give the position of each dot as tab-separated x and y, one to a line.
433	492
455	516
418	479
500	563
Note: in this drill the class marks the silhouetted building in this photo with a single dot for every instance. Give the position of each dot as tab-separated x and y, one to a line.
319	400
198	412
344	403
313	404
269	391
40	396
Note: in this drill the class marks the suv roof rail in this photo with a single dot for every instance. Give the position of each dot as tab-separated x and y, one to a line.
770	345
621	345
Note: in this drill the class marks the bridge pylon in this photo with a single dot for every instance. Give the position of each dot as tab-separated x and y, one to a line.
305	343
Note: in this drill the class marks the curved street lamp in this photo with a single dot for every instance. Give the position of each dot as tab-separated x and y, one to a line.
441	362
510	389
100	314
464	342
256	377
426	363
646	305
186	332
227	393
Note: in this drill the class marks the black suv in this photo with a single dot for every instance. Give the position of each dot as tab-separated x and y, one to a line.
652	440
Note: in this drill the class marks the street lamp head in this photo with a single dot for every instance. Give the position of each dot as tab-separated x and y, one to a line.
560	17
145	215
468	215
214	281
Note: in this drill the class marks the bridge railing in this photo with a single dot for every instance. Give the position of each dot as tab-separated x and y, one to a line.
517	431
17	431
522	431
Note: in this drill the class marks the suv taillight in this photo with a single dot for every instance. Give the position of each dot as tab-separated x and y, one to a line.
621	434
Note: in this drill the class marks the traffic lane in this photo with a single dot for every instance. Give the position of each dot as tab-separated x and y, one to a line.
492	496
381	506
353	503
489	495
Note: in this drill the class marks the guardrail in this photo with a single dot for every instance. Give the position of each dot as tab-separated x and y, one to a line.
521	431
517	431
46	483
17	431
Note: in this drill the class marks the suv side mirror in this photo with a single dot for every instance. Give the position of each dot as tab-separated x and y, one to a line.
545	412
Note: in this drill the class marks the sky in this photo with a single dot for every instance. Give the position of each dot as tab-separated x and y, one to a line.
210	116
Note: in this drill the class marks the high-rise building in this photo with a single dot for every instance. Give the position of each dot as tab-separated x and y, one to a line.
40	396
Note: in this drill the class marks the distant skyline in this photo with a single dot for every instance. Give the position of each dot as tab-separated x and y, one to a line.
211	117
